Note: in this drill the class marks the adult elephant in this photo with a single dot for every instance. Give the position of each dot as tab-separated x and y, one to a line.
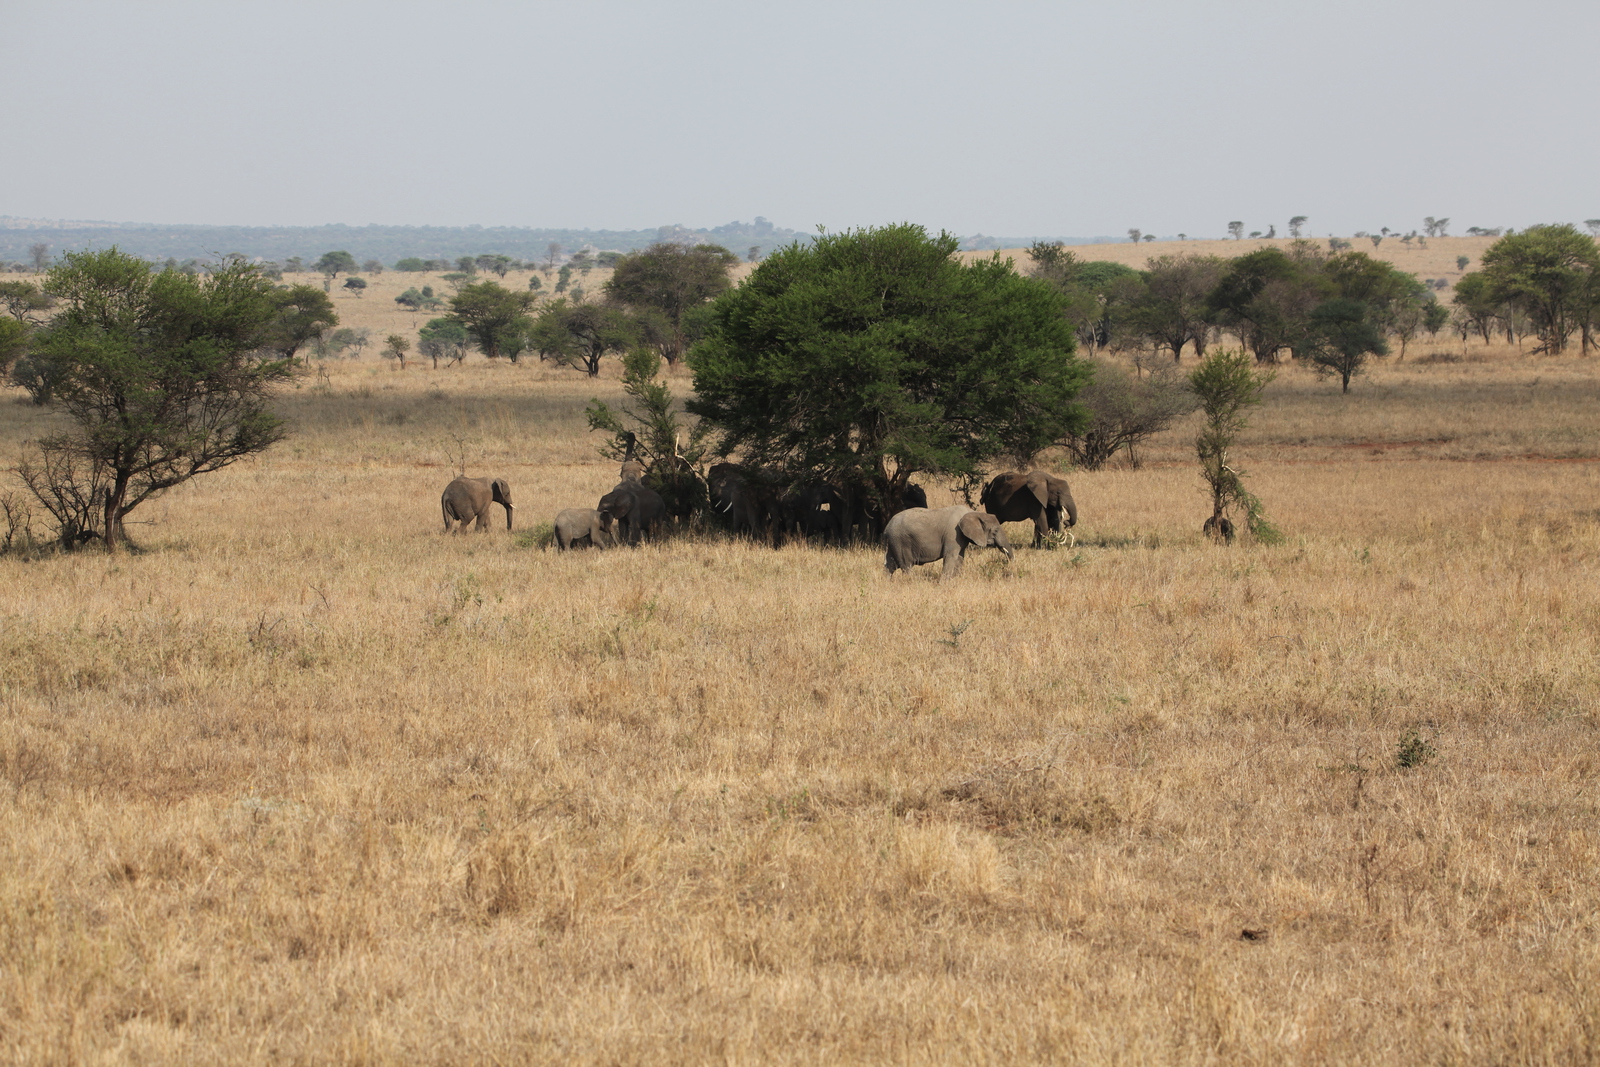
814	509
467	500
635	511
866	511
1020	497
922	535
577	527
745	503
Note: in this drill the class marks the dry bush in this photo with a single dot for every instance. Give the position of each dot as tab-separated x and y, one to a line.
307	781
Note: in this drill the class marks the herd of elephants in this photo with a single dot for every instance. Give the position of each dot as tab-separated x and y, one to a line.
748	503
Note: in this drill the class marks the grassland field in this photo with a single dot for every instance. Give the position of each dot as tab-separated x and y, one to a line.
305	781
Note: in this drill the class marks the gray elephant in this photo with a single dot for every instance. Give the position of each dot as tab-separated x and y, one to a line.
1033	496
744	500
635	510
467	500
577	527
922	535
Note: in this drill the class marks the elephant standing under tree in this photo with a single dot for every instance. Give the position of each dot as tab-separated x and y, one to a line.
921	535
636	510
467	500
577	527
1036	496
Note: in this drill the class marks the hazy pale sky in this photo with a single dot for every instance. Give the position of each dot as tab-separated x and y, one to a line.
1015	119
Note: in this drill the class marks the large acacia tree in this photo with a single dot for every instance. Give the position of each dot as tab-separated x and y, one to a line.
163	375
867	356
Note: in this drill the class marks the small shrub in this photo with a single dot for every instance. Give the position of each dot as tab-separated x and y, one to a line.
543	535
1413	750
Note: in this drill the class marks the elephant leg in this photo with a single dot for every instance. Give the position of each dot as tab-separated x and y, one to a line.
1040	525
952	564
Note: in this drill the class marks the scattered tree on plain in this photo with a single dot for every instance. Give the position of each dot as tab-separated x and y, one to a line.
303	312
40	254
1236	230
1296	224
24	300
1124	410
334	264
1341	339
1226	386
443	338
580	335
1173	311
1547	273
870	355
395	347
163	377
671	279
495	317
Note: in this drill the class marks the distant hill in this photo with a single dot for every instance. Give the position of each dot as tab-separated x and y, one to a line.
390	243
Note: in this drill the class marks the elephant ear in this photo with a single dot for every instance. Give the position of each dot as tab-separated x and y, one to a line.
971	527
501	491
1038	485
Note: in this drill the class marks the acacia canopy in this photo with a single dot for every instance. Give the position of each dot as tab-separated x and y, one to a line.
870	355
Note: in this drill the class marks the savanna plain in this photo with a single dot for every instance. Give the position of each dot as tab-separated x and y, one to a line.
304	780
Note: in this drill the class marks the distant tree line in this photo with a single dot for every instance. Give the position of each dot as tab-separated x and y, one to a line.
1333	309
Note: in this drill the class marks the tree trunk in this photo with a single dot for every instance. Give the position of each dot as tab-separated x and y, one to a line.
111	532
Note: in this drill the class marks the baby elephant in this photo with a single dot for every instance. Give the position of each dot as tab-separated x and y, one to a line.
577	527
922	535
467	499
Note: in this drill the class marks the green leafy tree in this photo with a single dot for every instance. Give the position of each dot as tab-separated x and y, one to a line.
395	347
1266	296
1172	311
292	265
1097	295
162	377
1342	338
495	317
443	338
356	285
867	356
1477	305
565	278
1236	230
1226	387
1546	273
15	336
411	264
373	266
580	335
467	264
1296	224
334	264
419	299
303	312
671	279
497	265
24	300
651	428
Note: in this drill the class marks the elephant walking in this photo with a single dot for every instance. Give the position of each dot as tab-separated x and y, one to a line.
578	527
921	535
1033	496
467	500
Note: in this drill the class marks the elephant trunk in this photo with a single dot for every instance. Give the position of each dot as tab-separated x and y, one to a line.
1072	511
510	507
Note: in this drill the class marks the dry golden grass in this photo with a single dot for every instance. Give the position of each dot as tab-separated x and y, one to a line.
307	781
